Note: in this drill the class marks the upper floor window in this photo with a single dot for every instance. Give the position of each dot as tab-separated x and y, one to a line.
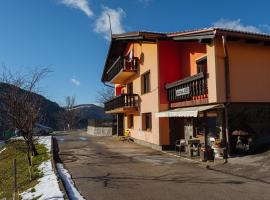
202	65
145	81
130	121
130	88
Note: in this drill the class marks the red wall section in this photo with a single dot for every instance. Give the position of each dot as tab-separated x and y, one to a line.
177	60
118	90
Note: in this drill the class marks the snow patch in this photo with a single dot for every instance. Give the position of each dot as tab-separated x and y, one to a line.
69	184
48	187
2	150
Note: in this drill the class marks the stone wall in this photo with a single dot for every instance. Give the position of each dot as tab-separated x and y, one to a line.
253	118
99	131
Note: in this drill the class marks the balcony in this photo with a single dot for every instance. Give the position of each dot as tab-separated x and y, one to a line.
122	69
188	89
122	103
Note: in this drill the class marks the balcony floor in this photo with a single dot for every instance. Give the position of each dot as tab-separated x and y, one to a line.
122	76
122	110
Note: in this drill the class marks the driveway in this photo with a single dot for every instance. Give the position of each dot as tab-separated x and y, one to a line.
106	169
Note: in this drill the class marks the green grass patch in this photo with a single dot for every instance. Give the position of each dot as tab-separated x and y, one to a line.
18	150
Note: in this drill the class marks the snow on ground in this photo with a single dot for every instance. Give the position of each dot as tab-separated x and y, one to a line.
69	184
48	187
2	150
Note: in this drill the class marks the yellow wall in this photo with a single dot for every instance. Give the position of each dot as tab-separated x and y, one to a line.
216	69
249	72
147	53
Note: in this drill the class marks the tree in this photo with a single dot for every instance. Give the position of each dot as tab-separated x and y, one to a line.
68	117
105	94
21	105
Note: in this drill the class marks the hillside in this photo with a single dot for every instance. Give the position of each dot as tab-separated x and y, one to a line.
84	112
52	111
49	109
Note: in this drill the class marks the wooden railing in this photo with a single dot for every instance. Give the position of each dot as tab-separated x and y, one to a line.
124	100
190	88
122	63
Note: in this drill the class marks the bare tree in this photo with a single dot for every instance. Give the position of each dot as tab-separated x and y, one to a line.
68	117
21	105
104	94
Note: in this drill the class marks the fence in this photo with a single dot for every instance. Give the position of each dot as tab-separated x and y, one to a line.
101	127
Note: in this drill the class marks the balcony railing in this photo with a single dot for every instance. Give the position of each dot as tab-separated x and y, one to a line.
124	101
123	64
190	88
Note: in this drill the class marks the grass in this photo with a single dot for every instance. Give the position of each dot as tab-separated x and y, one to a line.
18	150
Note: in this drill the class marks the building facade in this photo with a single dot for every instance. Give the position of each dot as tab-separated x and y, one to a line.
208	86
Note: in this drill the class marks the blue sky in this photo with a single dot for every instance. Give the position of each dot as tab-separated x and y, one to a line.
71	36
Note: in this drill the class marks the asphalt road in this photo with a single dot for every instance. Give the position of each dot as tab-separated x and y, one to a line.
106	169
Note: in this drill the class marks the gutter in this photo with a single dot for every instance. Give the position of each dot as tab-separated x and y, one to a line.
227	89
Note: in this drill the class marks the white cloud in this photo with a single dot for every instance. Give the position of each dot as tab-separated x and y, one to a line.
102	24
236	24
75	82
79	4
265	28
145	2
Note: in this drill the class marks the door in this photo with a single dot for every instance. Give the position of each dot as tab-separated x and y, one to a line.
120	124
176	129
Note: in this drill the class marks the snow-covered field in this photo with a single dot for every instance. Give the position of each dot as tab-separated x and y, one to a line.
48	187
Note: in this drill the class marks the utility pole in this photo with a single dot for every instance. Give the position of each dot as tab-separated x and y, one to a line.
110	24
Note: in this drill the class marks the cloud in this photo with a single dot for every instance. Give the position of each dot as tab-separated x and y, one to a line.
102	24
236	24
80	5
75	82
145	2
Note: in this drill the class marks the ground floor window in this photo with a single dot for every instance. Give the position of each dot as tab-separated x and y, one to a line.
147	121
130	121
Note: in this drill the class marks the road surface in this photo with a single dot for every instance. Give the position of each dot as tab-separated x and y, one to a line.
106	169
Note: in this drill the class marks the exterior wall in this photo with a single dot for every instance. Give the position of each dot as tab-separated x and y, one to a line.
147	54
249	72
216	72
177	60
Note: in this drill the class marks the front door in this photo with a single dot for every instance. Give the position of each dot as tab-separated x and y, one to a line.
120	124
176	129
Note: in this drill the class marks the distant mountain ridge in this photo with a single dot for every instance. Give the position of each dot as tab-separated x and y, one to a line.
52	111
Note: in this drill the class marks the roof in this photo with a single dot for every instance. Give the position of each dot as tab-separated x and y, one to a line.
213	30
119	41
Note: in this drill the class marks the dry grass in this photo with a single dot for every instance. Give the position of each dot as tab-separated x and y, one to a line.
18	150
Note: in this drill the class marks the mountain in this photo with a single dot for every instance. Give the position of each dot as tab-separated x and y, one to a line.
52	112
49	109
84	112
91	111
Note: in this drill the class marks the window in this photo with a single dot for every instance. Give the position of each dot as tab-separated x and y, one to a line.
130	88
145	81
130	121
202	65
147	121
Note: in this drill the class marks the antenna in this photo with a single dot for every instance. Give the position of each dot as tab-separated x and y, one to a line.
110	24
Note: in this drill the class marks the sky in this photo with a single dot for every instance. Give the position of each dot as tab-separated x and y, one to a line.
71	37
